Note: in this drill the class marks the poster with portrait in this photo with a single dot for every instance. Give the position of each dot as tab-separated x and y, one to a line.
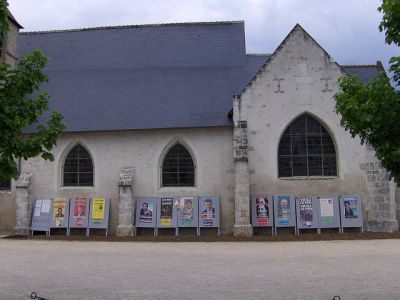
98	206
59	210
209	208
350	207
326	207
187	211
79	212
306	211
284	210
166	207
262	211
146	212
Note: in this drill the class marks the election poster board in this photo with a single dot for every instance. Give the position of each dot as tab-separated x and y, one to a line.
307	209
59	213
262	211
285	211
41	215
99	213
188	211
79	212
146	212
166	213
209	211
329	212
351	211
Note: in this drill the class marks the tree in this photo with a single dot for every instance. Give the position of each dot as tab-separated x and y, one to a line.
22	103
372	110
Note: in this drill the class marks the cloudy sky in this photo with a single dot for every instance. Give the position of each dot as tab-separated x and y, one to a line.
347	29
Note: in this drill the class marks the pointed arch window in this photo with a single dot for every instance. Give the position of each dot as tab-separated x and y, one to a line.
178	167
306	149
78	168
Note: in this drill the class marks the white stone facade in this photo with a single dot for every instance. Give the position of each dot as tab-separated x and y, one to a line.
232	162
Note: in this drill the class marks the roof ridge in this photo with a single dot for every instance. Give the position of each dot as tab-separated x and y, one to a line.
134	26
359	66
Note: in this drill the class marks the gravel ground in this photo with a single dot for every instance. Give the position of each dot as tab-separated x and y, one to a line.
368	269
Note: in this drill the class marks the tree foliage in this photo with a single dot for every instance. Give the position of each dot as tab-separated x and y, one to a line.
372	110
22	103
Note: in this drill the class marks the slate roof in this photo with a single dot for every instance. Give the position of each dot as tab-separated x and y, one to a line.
365	72
142	77
146	76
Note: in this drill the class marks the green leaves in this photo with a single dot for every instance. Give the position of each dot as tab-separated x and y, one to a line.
21	105
372	111
390	21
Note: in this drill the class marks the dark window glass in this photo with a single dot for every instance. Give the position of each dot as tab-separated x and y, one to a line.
178	167
5	185
306	149
78	168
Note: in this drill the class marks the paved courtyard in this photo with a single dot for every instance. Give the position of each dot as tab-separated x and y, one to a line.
219	270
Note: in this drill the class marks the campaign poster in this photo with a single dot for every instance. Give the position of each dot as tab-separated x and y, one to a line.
350	207
326	206
59	211
38	207
146	213
262	211
46	204
98	210
166	211
284	210
80	211
186	217
306	211
208	213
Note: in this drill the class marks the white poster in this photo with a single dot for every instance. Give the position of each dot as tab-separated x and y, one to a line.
46	206
326	207
38	203
37	212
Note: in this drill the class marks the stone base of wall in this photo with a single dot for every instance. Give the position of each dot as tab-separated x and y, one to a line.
21	231
242	230
382	225
125	230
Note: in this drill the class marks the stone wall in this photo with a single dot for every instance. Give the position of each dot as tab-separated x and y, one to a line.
143	150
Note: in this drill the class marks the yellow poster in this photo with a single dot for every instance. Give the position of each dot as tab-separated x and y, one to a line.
98	209
165	221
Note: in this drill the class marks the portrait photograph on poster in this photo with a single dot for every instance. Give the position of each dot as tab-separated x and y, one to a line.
166	211
283	210
186	218
146	213
59	211
208	212
262	211
80	211
350	208
306	211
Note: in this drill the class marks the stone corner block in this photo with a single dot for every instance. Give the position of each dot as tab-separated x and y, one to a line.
24	180
126	176
242	230
21	231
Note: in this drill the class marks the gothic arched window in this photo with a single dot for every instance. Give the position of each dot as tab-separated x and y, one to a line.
178	167
306	149
78	168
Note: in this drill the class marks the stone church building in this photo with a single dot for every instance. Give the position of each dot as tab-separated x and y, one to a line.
192	113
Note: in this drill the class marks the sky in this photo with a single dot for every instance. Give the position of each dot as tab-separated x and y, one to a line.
346	29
